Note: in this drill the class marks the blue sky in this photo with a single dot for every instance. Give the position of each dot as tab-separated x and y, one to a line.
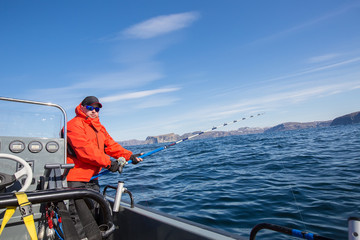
180	66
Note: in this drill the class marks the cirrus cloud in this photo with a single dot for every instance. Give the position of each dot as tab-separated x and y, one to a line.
139	94
160	25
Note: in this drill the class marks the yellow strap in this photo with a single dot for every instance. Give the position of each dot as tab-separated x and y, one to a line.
30	225
29	219
8	214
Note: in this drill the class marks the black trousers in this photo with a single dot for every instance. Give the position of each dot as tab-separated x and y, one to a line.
75	206
93	184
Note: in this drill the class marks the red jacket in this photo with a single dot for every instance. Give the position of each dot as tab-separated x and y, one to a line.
92	146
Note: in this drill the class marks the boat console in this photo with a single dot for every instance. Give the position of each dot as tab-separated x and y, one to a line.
37	166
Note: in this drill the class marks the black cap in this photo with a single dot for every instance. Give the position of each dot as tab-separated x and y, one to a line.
90	100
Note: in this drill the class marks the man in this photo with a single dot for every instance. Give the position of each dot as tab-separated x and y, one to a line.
90	144
90	147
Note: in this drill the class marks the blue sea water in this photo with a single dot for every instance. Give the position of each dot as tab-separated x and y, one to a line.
305	179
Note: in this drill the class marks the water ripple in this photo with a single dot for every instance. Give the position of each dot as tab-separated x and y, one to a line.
305	179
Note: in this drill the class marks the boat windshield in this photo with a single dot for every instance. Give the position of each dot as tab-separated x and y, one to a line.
29	120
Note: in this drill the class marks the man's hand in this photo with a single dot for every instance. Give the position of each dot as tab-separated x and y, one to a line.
114	166
135	158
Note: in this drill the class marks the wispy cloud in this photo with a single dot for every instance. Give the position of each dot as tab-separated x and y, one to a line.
158	102
322	58
295	80
317	69
298	95
139	94
99	85
121	79
277	99
160	25
330	15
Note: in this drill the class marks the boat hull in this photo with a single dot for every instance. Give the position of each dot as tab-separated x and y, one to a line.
141	222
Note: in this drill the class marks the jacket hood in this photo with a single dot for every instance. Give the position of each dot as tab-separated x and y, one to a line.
95	122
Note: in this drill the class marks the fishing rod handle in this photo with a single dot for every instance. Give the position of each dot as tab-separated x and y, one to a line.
152	152
148	153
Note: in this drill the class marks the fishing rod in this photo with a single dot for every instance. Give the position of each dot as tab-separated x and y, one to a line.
182	140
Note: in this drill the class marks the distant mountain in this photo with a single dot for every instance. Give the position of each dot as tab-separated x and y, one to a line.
172	137
298	125
132	142
347	119
351	118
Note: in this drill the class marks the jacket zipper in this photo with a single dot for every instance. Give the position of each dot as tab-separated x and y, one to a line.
97	139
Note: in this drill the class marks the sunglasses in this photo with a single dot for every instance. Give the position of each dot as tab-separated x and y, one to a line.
90	108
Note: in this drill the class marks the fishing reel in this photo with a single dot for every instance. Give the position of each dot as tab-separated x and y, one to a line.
122	162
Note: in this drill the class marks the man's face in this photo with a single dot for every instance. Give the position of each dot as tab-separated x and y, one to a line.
90	113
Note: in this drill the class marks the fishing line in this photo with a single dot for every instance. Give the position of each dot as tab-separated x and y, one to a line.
296	202
183	140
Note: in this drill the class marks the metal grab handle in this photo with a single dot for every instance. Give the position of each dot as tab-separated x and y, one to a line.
285	230
119	191
43	196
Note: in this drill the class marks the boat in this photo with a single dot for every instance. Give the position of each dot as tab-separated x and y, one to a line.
33	179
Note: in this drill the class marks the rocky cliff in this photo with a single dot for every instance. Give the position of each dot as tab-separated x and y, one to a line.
171	137
347	119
